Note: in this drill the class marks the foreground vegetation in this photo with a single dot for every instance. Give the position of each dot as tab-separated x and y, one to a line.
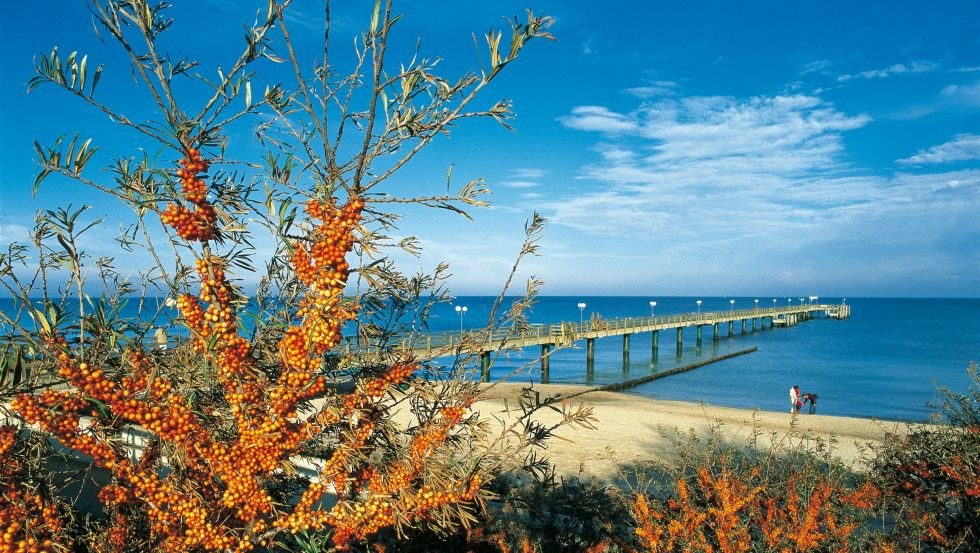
256	432
915	491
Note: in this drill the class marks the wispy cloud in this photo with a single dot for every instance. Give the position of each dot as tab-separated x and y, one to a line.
963	93
528	172
897	69
10	233
597	118
721	186
652	90
588	45
963	147
784	133
524	177
815	66
749	154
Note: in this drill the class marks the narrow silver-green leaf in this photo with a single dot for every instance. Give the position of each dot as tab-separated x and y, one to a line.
95	79
83	154
37	180
71	151
81	73
374	16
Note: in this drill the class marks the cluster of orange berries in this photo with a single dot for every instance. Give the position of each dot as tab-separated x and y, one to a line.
64	423
118	533
397	477
430	437
360	519
428	498
323	268
398	373
28	523
218	320
192	165
198	224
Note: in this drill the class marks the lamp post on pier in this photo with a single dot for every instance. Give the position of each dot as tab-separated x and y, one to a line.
461	309
699	309
757	305
732	303
581	312
774	304
653	304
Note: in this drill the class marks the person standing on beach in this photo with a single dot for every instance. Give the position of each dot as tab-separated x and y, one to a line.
812	399
794	400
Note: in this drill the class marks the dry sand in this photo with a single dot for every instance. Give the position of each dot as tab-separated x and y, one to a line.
631	429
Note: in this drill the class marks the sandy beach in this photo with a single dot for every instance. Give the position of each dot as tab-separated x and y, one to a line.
631	429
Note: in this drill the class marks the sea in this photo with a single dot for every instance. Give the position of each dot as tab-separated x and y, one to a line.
888	360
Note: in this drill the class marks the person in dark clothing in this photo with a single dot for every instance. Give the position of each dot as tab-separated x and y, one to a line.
812	400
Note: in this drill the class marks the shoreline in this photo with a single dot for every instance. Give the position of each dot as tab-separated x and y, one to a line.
632	430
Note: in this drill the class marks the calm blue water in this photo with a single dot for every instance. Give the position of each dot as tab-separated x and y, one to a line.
886	361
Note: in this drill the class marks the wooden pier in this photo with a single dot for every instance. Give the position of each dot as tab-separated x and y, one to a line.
484	342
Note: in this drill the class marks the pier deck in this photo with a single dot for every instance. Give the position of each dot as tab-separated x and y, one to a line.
484	342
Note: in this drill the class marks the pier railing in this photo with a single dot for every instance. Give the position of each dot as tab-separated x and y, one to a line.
444	343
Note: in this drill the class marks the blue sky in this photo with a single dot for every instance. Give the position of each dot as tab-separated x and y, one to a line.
676	148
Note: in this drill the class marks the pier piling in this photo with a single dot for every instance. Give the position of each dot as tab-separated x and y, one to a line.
545	362
547	337
626	352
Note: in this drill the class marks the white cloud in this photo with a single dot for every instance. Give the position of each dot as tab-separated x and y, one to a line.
783	133
897	69
649	91
968	94
528	173
963	147
611	152
524	177
718	187
597	118
815	66
10	233
657	88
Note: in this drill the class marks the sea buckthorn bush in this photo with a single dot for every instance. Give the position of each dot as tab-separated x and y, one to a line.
33	518
736	497
931	476
915	491
260	427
